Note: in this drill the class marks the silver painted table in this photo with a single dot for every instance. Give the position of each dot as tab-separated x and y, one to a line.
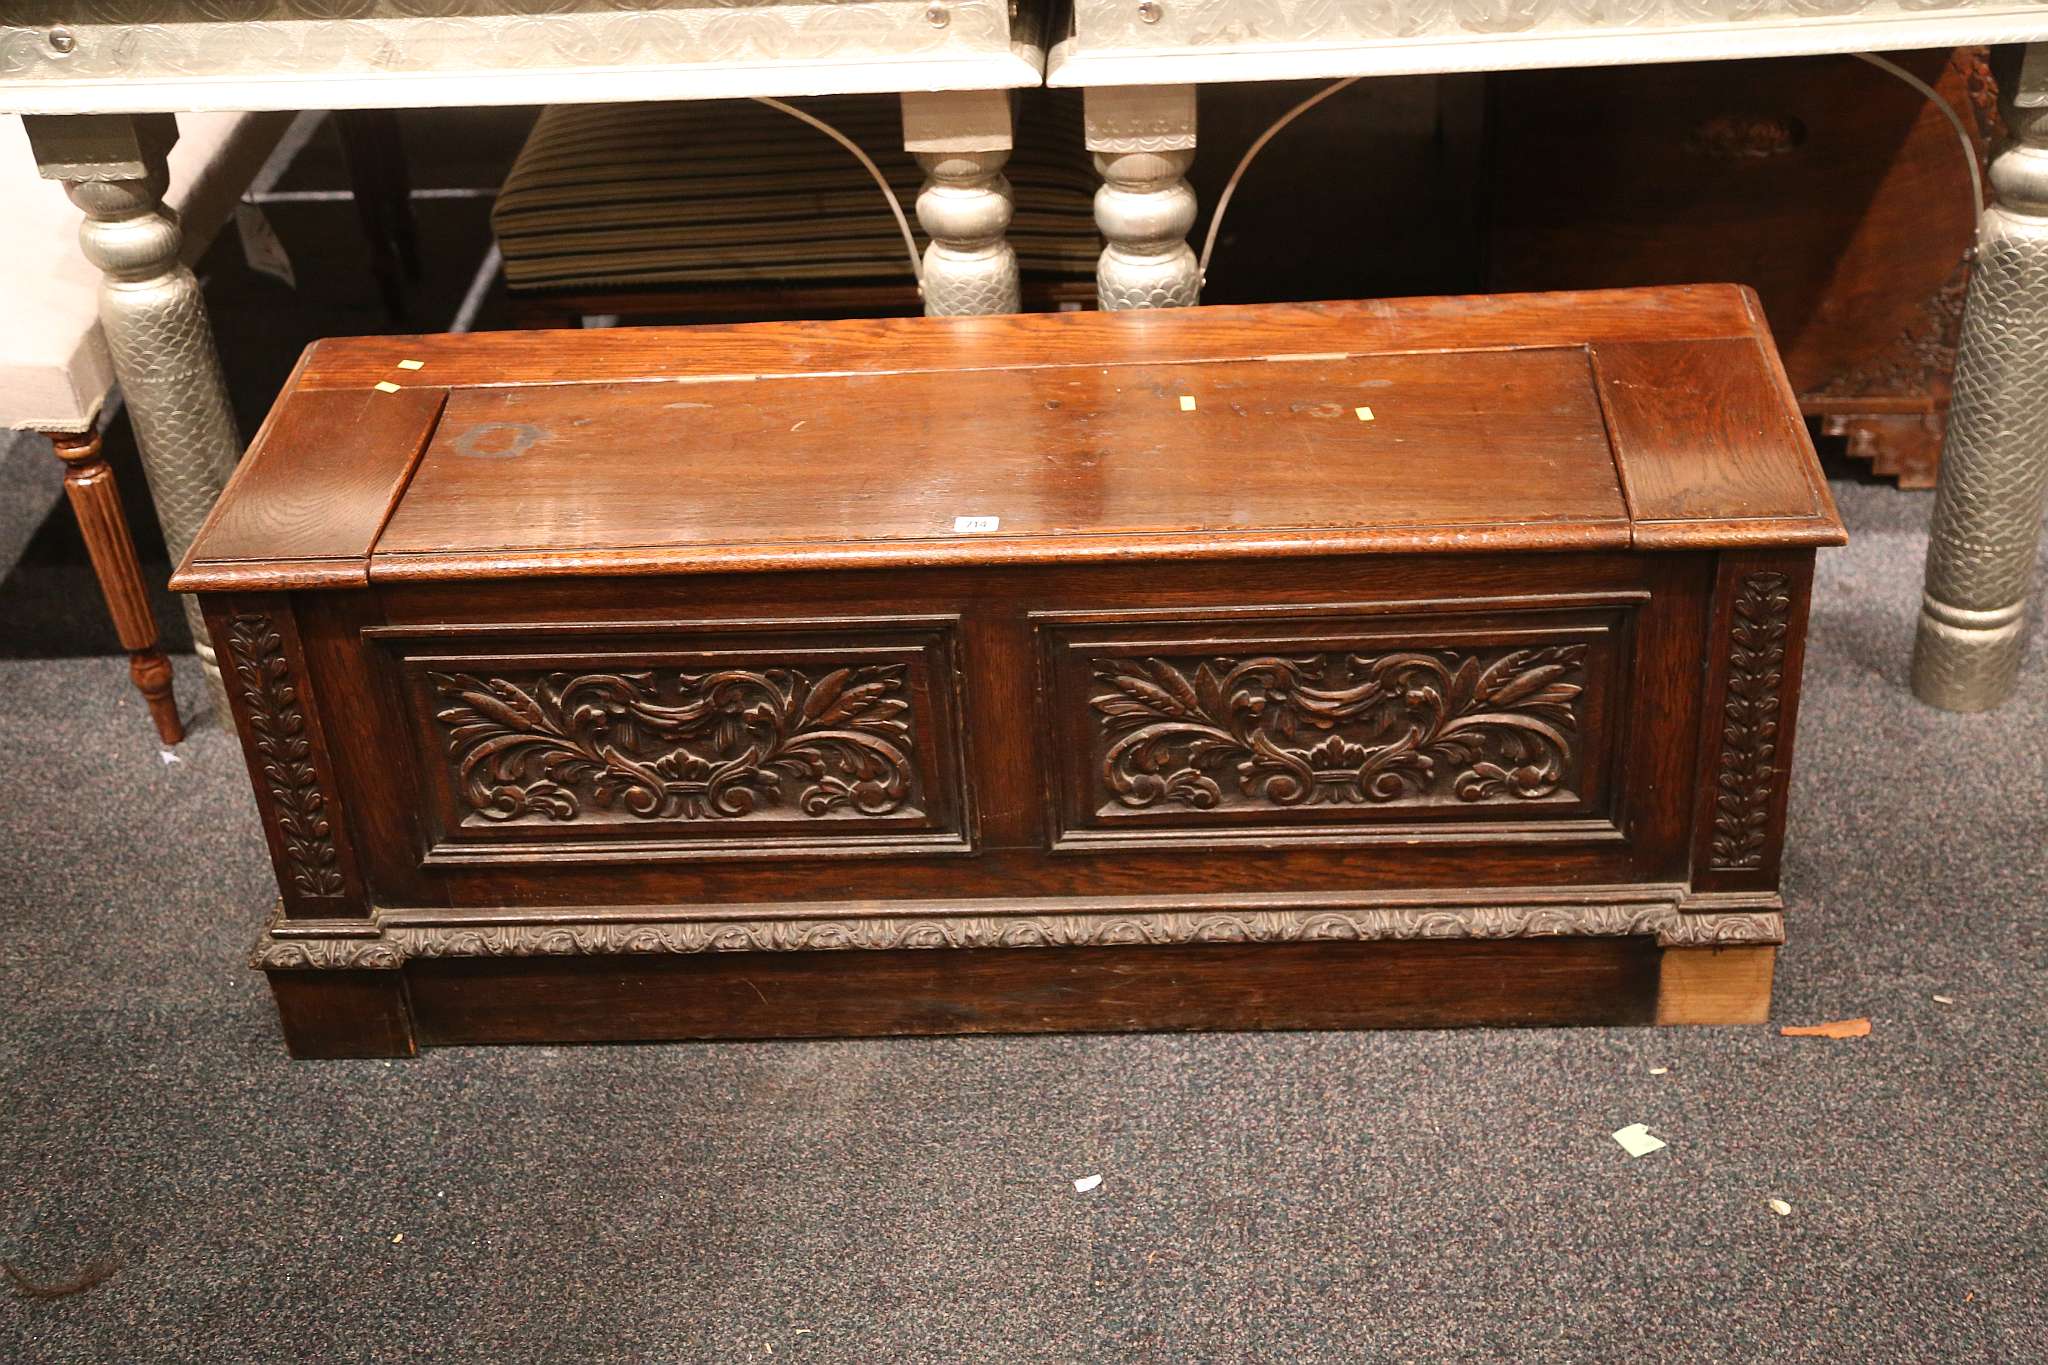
1140	61
101	81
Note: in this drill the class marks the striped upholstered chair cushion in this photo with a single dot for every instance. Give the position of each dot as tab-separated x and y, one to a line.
736	194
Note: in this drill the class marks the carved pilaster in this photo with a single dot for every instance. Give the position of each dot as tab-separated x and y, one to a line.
1143	140
1755	656
962	141
1994	470
1747	775
113	166
273	707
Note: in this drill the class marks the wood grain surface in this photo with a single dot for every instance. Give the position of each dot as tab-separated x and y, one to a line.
1709	448
310	512
1158	336
1224	986
1427	425
1079	456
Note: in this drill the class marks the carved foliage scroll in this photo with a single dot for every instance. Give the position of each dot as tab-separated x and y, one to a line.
1499	725
680	746
283	750
1747	776
396	945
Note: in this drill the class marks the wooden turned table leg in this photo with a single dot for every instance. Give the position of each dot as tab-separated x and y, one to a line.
89	479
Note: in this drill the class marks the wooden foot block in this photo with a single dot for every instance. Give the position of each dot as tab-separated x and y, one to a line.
344	1013
1715	985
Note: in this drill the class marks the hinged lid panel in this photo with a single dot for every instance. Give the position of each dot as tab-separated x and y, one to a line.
1056	461
1646	419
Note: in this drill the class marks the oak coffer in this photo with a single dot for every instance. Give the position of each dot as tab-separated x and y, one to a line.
1419	663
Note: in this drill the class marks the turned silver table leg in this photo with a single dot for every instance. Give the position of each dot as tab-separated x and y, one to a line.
113	167
962	140
1994	468
1143	138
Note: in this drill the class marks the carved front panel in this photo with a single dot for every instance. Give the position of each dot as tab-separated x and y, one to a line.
1336	727
727	744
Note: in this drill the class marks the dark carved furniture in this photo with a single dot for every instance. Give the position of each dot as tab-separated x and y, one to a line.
1831	187
1338	665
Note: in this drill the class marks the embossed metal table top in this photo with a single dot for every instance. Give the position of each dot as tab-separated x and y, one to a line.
136	56
1121	42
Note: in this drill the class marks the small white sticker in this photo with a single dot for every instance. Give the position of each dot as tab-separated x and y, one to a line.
1086	1183
412	364
976	523
1187	403
1364	414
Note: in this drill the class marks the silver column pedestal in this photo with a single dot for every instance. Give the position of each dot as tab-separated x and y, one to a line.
1994	469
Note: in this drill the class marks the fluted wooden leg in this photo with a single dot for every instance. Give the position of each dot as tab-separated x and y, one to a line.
1994	469
89	480
962	140
113	167
1143	140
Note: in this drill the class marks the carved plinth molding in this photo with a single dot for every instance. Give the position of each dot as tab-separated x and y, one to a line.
1747	775
843	930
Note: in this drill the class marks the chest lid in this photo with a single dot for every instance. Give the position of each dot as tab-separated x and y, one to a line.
1647	419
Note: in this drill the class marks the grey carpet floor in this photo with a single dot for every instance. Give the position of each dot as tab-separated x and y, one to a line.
1390	1196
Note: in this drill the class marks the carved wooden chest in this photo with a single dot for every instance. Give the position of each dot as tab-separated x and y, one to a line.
1341	665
